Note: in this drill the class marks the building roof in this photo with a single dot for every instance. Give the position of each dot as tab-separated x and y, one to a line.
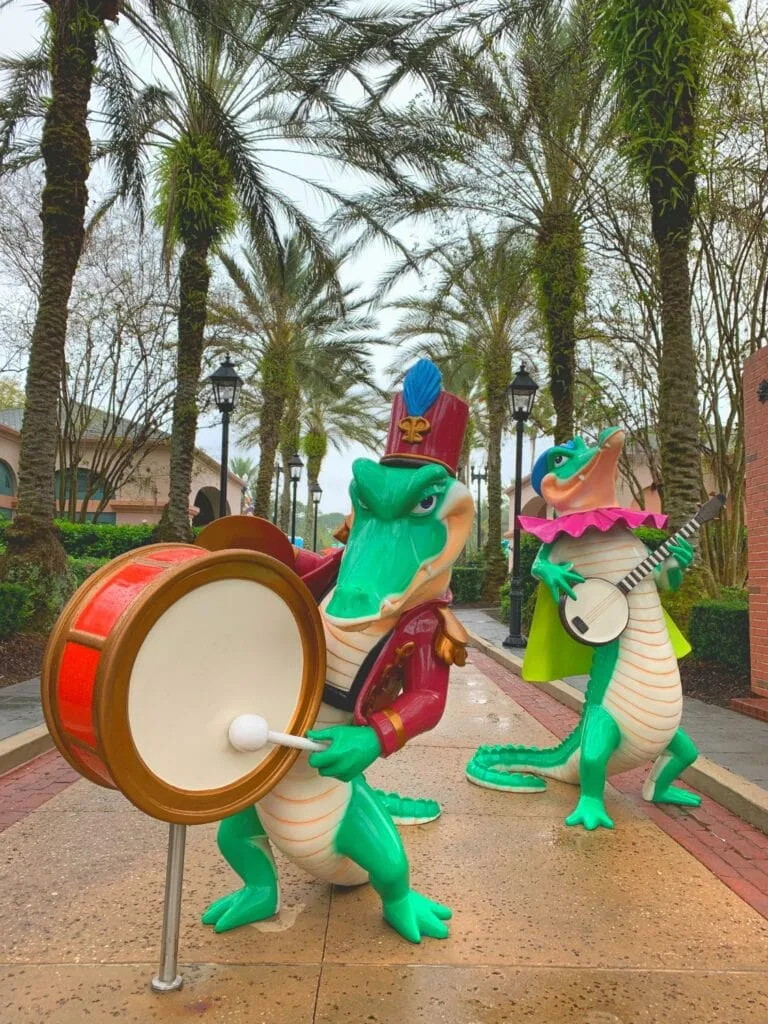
94	430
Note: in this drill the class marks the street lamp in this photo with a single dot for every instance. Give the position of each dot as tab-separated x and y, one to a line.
317	493
278	471
226	390
520	396
480	475
295	466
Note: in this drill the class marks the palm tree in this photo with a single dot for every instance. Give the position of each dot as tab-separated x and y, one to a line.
543	132
334	418
63	69
659	55
300	335
474	319
246	469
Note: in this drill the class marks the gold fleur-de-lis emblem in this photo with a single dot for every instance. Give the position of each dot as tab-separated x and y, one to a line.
414	428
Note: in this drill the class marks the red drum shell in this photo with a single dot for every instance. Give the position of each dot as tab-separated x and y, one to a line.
74	651
90	656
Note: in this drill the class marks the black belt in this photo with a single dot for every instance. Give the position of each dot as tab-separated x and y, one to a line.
345	700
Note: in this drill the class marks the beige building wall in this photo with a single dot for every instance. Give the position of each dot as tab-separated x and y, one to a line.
142	498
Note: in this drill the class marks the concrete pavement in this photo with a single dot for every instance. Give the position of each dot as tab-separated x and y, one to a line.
20	708
726	737
552	925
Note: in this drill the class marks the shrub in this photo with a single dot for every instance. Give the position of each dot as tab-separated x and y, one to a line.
82	568
100	540
467	583
730	594
650	537
15	609
719	631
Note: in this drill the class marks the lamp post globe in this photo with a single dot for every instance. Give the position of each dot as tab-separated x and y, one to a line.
521	394
226	385
317	493
295	466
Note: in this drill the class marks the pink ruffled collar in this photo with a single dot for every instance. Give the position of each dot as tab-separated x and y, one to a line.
577	523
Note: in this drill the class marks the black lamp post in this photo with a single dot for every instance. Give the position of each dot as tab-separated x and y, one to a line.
480	476
226	390
278	471
520	395
295	466
317	493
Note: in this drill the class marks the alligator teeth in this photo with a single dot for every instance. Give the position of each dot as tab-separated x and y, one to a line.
582	477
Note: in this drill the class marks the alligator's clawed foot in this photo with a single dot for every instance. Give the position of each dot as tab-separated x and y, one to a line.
245	906
591	813
678	796
414	916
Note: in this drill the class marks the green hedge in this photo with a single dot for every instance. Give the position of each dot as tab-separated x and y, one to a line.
719	631
15	609
100	540
467	583
82	568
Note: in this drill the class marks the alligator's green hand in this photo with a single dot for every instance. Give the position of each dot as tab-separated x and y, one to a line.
353	748
669	575
682	552
591	813
414	916
559	577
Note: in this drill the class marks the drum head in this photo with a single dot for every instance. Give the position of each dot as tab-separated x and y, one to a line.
233	633
249	532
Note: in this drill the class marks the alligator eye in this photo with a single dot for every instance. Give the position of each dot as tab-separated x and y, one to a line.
425	506
559	460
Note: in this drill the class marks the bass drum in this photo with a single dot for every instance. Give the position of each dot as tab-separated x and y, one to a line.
156	654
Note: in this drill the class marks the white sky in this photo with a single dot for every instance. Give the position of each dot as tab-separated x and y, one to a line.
18	28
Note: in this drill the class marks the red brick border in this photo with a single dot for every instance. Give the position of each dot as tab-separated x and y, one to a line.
734	851
31	785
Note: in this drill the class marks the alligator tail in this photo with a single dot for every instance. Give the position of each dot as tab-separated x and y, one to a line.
490	765
408	811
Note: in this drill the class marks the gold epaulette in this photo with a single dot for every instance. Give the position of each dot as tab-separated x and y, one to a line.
450	639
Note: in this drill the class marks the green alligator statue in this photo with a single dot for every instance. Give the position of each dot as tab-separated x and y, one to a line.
391	639
634	701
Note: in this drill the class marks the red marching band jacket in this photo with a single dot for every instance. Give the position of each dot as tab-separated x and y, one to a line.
405	689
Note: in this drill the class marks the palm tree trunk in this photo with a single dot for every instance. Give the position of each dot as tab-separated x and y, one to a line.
194	279
290	437
559	273
498	372
272	407
681	471
32	538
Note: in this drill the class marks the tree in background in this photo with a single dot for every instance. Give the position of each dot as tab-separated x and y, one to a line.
63	67
659	55
298	334
540	136
476	310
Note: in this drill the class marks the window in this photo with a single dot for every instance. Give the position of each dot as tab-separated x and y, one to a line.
6	479
105	518
83	483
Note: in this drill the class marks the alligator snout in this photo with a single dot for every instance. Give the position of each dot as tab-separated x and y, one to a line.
353	603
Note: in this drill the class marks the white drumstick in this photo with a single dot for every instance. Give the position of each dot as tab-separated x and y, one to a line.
252	732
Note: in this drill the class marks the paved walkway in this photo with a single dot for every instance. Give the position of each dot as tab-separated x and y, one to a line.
20	708
645	924
725	737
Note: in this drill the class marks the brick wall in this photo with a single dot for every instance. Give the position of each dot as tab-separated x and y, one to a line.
756	438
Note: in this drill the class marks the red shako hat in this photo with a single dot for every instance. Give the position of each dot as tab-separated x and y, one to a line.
427	423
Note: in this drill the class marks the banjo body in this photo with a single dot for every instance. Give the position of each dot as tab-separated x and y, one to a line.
598	615
159	651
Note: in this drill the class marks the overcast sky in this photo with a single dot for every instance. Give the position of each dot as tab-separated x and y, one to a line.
19	27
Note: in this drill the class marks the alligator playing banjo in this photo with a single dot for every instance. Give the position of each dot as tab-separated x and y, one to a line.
598	612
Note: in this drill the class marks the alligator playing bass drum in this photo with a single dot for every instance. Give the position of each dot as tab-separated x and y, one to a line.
159	652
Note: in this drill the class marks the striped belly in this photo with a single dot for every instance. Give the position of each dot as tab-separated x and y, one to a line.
644	696
302	815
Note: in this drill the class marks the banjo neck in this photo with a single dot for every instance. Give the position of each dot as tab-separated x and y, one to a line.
637	575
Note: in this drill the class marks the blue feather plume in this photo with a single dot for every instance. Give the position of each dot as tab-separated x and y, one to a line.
421	387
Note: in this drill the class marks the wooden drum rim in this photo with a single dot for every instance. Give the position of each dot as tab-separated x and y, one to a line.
115	742
62	633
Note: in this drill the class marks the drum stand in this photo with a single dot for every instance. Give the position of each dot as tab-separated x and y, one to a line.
167	980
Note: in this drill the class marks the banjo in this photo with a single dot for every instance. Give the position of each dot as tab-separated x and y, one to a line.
599	613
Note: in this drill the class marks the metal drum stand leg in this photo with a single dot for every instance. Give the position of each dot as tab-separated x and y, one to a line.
167	980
